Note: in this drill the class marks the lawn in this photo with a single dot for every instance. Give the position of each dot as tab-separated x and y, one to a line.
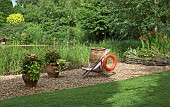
147	91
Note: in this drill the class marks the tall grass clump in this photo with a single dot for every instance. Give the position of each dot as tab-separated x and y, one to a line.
77	54
119	47
11	56
10	59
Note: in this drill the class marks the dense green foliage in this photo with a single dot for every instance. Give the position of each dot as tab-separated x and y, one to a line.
56	18
103	22
94	20
6	8
93	17
151	91
155	45
135	17
1	18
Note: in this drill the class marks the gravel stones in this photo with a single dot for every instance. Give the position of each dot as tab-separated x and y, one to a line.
13	85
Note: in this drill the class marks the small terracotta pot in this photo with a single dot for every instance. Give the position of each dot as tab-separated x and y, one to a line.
51	71
27	81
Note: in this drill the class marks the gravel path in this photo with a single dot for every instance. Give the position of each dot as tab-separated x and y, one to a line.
13	85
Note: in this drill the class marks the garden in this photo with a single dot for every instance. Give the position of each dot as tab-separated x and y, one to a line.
44	44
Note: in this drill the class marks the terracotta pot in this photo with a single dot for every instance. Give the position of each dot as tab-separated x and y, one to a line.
27	81
51	71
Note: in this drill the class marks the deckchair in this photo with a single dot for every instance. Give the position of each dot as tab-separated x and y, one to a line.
95	66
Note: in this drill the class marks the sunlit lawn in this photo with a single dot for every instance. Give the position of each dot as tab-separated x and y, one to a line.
147	91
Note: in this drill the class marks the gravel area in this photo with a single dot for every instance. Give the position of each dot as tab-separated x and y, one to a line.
13	85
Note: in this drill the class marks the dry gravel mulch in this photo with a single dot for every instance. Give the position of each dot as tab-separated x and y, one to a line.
13	85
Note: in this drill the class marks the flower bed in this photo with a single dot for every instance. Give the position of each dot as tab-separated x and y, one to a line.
154	51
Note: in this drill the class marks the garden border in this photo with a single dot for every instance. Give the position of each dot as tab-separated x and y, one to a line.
146	61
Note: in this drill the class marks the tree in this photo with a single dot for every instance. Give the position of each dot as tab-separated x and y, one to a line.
6	8
131	18
93	17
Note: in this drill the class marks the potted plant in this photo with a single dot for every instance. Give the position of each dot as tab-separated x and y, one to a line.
30	70
54	63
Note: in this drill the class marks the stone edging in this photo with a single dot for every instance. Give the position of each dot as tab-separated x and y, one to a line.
146	61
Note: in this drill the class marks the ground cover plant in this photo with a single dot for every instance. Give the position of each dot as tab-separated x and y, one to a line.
151	90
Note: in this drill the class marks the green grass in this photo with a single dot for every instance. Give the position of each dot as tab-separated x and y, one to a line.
147	91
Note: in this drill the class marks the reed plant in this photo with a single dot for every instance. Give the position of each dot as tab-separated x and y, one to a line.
76	53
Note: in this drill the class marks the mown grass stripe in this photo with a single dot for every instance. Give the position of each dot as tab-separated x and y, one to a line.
147	91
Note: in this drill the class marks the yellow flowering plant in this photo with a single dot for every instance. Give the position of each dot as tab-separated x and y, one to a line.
15	18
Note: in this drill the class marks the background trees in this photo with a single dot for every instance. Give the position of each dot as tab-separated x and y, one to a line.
131	18
93	16
92	20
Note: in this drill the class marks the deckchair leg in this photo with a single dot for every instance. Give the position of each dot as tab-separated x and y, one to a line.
85	74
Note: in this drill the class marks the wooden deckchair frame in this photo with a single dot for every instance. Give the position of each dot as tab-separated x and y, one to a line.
95	66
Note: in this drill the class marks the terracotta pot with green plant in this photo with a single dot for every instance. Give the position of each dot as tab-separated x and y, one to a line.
31	67
54	64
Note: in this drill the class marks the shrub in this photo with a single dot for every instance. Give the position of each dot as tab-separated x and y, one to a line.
1	18
15	18
6	8
93	16
23	33
33	33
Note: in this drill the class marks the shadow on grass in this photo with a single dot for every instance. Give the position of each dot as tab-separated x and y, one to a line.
158	93
148	91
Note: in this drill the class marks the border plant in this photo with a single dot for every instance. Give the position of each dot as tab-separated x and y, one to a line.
155	46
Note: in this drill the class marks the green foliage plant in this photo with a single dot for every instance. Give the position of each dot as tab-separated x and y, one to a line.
32	65
156	40
33	34
155	45
61	65
93	17
6	8
135	17
53	58
1	18
23	33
